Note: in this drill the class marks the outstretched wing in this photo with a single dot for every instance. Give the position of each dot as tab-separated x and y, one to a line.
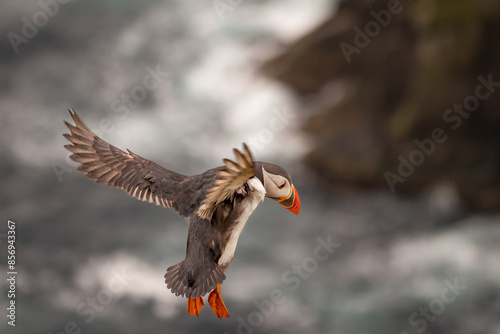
139	177
230	181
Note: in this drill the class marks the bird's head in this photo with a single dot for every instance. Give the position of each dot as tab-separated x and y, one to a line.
278	185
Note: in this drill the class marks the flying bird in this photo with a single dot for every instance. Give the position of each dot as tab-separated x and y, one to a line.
218	202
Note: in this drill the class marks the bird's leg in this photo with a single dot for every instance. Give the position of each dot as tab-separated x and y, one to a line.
194	305
217	304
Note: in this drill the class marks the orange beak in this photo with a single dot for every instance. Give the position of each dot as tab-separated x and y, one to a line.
292	203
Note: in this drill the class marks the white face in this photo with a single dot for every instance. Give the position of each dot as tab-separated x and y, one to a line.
276	186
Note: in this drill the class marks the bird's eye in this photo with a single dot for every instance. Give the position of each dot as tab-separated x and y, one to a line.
282	186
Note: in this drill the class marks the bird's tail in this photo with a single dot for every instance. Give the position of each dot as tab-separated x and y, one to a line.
193	283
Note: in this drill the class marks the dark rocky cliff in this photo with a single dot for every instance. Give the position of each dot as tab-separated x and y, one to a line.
403	95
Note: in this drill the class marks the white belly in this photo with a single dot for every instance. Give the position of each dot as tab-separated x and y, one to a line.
254	197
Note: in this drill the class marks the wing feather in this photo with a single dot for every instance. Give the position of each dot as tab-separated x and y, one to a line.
230	181
141	178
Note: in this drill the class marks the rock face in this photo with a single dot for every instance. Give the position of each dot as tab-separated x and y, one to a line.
403	95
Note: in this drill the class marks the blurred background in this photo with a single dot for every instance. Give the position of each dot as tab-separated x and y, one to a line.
385	113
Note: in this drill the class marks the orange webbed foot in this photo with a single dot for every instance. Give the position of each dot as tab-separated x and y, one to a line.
195	305
217	304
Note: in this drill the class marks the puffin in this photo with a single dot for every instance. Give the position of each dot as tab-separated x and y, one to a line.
218	203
